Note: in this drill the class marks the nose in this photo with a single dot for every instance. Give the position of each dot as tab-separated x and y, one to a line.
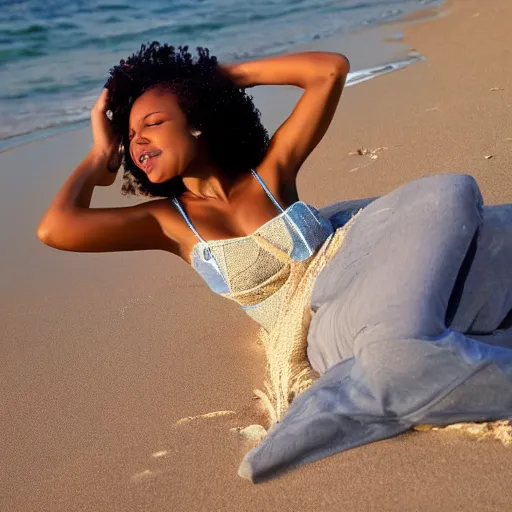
136	144
139	136
140	140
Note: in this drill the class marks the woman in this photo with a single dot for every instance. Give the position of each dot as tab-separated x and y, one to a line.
411	296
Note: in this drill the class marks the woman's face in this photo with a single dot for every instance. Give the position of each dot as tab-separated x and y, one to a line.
161	144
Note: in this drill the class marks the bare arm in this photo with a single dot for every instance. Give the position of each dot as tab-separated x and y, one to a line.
71	225
322	76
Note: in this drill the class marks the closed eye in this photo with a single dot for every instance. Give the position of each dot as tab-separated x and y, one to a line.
132	134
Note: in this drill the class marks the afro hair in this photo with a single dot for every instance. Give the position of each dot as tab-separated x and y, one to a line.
235	139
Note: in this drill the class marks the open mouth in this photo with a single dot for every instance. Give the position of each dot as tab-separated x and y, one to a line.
145	160
148	155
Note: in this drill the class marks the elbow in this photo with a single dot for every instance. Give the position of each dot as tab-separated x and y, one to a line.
339	66
45	233
331	68
50	232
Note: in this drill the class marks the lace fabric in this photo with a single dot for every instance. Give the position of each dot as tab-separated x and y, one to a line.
252	270
271	274
274	288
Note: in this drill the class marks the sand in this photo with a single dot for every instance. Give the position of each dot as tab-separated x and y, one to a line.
102	355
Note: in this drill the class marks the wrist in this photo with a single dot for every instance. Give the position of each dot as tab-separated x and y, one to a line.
98	157
94	166
101	168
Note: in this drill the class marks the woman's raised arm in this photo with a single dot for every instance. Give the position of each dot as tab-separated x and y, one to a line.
322	75
71	225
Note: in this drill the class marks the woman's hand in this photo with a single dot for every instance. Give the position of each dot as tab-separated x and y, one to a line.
70	224
105	142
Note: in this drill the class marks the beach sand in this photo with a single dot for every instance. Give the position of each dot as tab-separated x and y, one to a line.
102	355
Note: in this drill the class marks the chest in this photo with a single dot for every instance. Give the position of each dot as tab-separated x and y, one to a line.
236	265
239	217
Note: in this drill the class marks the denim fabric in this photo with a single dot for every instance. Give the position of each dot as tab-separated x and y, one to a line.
411	325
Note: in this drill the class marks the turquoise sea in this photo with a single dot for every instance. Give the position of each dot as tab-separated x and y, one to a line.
55	54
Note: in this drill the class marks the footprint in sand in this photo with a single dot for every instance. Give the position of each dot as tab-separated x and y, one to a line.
252	433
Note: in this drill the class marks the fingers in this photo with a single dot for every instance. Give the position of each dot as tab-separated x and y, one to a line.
102	130
100	106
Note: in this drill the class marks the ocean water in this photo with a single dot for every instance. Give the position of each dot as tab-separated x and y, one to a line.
55	54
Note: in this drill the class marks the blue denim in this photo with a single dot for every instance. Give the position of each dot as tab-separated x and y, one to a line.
412	324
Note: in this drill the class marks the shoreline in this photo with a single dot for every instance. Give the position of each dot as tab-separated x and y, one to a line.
379	49
353	78
104	354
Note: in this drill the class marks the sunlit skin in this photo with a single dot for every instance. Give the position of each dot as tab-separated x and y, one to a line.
219	207
157	123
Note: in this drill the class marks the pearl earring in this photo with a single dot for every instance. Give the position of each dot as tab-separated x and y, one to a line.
195	133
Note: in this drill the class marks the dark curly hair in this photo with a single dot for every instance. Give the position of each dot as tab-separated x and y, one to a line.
230	123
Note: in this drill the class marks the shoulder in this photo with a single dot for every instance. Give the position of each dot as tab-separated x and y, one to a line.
165	213
172	224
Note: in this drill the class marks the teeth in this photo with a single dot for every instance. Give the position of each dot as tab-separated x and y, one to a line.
146	156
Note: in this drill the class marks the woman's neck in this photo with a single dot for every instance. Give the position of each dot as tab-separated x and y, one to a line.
207	181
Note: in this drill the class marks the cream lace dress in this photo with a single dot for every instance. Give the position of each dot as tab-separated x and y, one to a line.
271	274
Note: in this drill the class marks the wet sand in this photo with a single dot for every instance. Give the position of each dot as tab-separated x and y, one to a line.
102	355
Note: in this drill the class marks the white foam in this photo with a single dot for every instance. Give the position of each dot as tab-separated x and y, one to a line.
362	75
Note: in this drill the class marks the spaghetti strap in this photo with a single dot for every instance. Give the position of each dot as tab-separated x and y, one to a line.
267	191
176	202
